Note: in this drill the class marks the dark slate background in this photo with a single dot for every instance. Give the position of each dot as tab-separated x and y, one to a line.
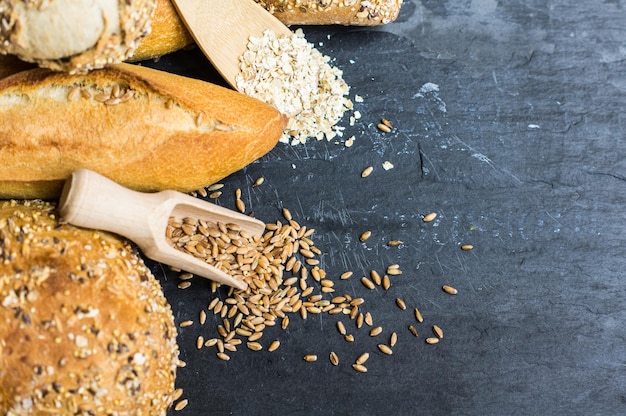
521	152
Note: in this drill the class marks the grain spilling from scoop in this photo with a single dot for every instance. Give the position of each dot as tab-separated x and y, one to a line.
282	282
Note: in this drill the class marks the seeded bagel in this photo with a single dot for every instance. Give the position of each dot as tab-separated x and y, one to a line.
73	35
84	326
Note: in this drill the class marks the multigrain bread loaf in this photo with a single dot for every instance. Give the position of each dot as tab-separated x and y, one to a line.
84	326
169	33
334	12
146	129
73	35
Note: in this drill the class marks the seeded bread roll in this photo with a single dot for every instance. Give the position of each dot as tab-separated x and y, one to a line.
146	129
169	33
73	35
85	328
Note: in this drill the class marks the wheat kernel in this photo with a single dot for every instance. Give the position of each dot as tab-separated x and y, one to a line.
287	214
367	283
254	346
375	276
429	217
181	405
367	171
360	368
418	315
383	127
361	359
385	349
437	331
386	284
449	290
393	339
376	331
241	206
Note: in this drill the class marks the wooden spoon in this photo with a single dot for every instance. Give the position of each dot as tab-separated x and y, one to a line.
222	30
92	201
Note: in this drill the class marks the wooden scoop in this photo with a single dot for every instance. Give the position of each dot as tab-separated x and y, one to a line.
92	201
222	29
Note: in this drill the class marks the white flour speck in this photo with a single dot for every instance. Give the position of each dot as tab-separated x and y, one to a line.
431	90
429	87
482	157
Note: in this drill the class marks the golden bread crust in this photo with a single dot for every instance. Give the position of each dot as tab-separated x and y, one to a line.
84	324
163	131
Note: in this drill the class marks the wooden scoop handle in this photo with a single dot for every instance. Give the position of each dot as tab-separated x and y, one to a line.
92	201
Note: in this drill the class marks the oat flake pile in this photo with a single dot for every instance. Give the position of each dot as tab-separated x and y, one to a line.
293	76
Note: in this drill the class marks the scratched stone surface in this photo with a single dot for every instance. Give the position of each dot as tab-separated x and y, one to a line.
509	122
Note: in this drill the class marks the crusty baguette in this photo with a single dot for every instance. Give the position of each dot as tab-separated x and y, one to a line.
169	33
145	129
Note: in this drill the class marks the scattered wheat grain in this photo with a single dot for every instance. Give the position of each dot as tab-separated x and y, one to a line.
449	290
310	358
429	217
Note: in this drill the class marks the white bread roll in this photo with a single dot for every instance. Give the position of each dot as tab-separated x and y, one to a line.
84	326
73	35
146	129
